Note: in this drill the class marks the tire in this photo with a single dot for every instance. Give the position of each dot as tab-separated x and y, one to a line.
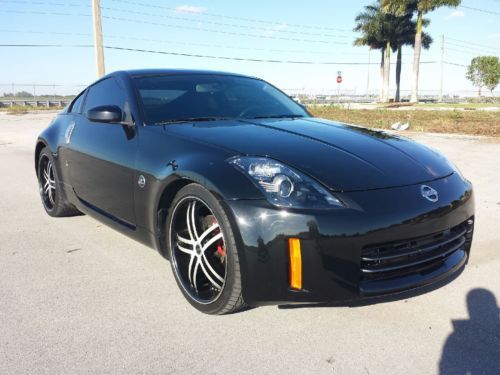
203	252
50	188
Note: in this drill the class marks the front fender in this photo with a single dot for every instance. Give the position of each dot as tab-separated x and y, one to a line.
169	163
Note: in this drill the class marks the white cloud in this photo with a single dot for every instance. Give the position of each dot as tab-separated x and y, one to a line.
455	14
189	9
271	30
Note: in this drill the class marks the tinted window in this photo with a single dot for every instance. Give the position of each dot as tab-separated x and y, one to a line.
178	97
106	92
76	106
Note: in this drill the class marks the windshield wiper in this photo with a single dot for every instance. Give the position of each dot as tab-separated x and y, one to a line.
277	116
191	119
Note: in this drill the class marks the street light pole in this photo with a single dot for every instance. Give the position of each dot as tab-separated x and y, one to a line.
99	51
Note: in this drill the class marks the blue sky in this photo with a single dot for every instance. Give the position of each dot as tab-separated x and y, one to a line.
317	31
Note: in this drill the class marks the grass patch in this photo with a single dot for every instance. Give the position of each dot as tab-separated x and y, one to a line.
459	105
461	122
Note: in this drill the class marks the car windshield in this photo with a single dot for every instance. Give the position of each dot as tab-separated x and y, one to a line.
205	97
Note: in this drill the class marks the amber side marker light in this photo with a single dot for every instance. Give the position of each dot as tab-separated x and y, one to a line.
295	260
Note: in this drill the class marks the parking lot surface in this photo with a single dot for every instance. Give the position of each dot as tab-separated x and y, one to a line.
77	297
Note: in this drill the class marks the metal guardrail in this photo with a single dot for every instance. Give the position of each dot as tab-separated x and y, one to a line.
44	103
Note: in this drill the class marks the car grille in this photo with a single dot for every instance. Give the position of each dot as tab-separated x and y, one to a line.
395	259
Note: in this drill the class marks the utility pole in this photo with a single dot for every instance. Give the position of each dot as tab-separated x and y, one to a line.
99	51
442	69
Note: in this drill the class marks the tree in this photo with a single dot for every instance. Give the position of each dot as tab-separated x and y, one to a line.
484	71
379	31
420	7
369	24
387	32
406	37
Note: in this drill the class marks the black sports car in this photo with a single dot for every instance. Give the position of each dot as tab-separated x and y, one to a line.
253	200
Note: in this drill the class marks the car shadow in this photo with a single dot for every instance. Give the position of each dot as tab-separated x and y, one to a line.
474	345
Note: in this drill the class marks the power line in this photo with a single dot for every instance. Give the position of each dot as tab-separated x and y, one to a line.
480	10
149	5
216	23
482	50
472	43
454	64
49	45
460	50
46	3
304	62
187	44
251	59
184	27
271	23
44	13
277	27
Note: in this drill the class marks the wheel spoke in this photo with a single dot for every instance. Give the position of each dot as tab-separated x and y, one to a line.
184	250
207	263
185	240
217	237
188	222
207	232
51	197
194	282
214	283
190	266
193	222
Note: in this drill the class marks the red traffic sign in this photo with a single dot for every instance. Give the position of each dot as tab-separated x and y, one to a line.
339	79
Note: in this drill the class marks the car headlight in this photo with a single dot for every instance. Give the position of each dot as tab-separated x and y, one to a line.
284	186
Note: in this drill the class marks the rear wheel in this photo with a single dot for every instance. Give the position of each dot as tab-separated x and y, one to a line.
49	186
203	252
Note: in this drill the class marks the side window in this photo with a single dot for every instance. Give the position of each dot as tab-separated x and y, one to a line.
76	106
106	92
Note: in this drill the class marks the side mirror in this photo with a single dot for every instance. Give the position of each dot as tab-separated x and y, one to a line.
105	113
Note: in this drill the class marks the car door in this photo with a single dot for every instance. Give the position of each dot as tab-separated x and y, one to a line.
103	155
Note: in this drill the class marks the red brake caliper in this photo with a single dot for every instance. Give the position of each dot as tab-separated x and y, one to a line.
221	252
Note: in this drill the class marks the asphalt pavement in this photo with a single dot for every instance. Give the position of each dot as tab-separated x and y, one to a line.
77	297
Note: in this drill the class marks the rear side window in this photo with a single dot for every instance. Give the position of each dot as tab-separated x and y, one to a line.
76	106
106	92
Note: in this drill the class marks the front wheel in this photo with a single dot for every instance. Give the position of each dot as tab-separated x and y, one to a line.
203	252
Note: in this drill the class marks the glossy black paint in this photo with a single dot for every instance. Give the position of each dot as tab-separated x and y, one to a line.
378	175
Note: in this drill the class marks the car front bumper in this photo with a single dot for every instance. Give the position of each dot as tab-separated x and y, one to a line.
345	251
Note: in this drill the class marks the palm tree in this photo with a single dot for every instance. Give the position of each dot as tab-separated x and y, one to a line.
387	32
378	30
405	36
420	7
368	23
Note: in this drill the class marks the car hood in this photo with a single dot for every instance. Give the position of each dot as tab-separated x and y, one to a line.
342	157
